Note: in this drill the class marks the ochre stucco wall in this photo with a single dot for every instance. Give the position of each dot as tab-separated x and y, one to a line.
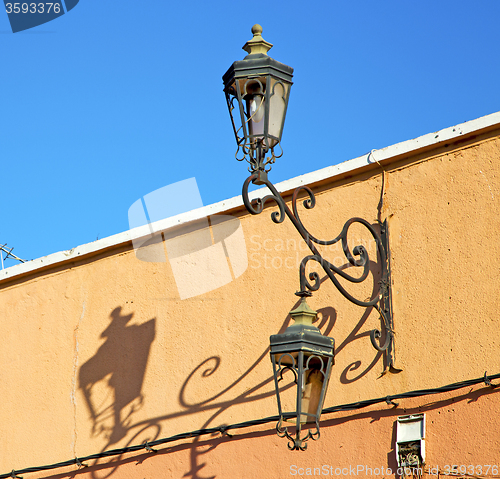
158	365
352	444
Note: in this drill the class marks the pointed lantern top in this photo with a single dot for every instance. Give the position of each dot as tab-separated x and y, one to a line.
257	44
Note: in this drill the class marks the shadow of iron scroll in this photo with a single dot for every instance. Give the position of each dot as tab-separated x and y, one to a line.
30	14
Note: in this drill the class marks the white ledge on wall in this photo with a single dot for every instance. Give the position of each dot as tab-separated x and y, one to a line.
328	173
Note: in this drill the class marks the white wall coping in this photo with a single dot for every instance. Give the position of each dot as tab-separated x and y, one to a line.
328	173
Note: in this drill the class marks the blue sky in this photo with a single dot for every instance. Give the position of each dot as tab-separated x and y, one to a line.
117	99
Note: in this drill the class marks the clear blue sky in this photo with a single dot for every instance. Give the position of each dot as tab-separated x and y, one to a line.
116	99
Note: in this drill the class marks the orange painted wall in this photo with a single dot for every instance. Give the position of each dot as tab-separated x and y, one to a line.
103	352
354	444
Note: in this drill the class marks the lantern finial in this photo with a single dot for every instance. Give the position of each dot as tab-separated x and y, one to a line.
304	314
257	44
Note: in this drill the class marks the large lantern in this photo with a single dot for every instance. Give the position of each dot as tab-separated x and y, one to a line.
308	355
257	89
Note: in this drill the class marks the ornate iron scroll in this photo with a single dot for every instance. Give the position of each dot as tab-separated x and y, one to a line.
381	300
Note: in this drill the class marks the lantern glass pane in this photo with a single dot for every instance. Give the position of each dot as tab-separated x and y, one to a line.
311	394
277	107
313	368
255	113
235	110
287	358
253	92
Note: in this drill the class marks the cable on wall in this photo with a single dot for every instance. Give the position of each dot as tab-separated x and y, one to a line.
148	446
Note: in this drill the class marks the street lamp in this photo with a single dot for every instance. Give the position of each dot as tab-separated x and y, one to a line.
304	351
257	91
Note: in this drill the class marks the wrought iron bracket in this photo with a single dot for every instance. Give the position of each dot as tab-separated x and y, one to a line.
381	299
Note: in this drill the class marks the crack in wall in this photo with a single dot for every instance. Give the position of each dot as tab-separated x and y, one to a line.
74	384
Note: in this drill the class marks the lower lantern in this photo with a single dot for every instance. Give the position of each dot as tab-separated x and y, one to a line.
309	356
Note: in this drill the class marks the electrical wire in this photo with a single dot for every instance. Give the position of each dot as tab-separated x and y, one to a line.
256	422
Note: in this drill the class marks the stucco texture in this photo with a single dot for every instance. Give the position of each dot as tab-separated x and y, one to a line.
104	352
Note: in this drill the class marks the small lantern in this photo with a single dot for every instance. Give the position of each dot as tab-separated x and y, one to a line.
257	90
309	355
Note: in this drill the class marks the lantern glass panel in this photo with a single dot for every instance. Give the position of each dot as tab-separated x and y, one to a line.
287	374
234	110
277	110
313	369
254	96
311	394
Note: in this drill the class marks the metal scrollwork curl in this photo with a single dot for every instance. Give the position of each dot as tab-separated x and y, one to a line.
331	270
313	276
256	206
358	257
297	443
377	334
